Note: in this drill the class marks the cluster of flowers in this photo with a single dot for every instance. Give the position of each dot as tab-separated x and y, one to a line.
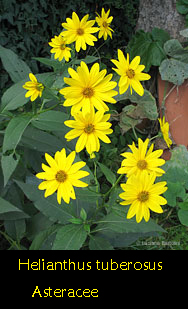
89	90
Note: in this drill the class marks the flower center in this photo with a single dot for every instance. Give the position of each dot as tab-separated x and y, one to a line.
61	176
80	31
62	46
142	164
143	196
39	87
105	24
89	129
88	92
130	73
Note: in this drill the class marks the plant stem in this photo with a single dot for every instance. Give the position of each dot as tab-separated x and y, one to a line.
96	181
114	185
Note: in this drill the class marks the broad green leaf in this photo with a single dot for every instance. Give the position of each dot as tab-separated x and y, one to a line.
30	190
176	168
17	68
14	131
14	97
87	59
146	106
47	206
117	221
55	64
42	236
110	176
174	191
183	216
171	47
84	194
70	237
10	212
181	7
174	71
15	228
149	46
40	141
184	33
51	121
9	164
99	243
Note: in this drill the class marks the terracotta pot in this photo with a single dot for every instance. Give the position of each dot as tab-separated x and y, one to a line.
176	109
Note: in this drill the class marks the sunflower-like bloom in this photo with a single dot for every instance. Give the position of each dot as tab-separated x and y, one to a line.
143	195
79	31
90	128
140	160
165	131
104	22
131	73
62	175
59	48
88	89
34	88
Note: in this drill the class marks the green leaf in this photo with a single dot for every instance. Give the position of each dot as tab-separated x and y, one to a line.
110	176
16	67
181	7
9	164
174	191
176	168
99	243
42	236
118	223
70	237
87	59
184	33
14	97
174	71
83	214
132	115
40	141
83	194
171	47
14	131
183	216
76	221
10	212
149	46
50	121
55	64
48	206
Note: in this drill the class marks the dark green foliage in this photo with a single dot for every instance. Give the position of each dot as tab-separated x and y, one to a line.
28	25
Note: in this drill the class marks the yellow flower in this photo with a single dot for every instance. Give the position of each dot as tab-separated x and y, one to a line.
88	89
90	128
139	160
79	31
62	175
59	48
143	195
165	131
34	88
131	73
103	22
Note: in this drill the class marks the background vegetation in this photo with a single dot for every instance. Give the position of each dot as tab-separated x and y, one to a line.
28	25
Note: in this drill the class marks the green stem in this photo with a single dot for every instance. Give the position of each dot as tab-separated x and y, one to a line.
114	185
135	133
154	137
164	97
96	181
